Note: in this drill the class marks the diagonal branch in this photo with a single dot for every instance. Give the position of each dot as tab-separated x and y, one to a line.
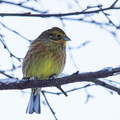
2	72
5	46
49	106
20	5
112	6
14	31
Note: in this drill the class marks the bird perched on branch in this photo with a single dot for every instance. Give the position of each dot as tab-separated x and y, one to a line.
45	57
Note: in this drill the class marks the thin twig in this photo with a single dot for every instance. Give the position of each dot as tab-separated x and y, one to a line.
20	5
78	47
14	32
5	46
88	95
59	87
71	90
49	105
86	21
2	72
112	6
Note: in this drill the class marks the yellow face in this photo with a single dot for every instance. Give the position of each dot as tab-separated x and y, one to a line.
56	35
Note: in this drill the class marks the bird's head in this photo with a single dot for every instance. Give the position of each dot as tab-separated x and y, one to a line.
55	35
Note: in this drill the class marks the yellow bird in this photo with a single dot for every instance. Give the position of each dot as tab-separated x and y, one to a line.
45	57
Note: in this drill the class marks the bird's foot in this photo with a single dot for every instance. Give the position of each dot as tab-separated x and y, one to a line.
54	76
39	76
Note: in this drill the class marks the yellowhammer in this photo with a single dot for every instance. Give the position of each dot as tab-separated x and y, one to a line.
45	57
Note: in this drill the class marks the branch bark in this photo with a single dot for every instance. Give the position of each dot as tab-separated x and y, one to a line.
76	77
57	15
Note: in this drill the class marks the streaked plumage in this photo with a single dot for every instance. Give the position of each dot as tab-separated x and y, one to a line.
45	57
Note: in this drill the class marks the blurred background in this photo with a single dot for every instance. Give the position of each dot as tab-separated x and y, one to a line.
94	45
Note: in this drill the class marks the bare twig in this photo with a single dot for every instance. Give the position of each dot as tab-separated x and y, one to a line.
86	21
112	6
59	87
109	19
5	46
71	56
71	90
2	72
112	33
12	69
20	5
85	86
49	105
78	47
88	95
14	32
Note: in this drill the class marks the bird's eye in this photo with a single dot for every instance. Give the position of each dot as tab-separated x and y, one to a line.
58	36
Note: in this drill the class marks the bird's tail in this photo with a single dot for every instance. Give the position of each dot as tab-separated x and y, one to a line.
34	103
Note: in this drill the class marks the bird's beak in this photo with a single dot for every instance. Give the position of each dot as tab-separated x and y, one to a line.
67	38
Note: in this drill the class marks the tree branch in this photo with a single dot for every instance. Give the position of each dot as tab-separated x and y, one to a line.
49	105
6	84
57	15
20	5
5	46
2	72
113	4
14	32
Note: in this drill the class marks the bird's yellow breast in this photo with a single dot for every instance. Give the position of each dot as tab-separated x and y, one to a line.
45	65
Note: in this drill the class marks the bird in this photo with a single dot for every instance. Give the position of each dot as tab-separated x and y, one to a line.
45	57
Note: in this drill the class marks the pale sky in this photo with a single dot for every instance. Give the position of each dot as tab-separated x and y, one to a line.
102	51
